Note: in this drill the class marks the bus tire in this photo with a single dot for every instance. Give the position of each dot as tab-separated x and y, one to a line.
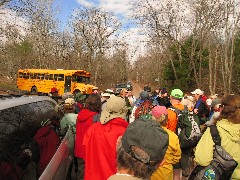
34	90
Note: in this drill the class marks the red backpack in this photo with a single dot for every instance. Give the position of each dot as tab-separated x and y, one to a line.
144	110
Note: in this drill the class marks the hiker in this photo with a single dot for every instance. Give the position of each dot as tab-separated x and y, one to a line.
87	116
54	94
215	112
100	140
200	108
105	96
188	101
95	90
144	106
131	97
143	96
163	98
80	100
70	117
140	151
173	153
228	127
48	141
175	99
182	166
124	95
151	96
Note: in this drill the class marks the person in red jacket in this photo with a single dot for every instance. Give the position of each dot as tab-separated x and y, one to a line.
101	138
86	117
48	141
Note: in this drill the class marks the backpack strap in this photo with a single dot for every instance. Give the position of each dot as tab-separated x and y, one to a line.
178	111
215	135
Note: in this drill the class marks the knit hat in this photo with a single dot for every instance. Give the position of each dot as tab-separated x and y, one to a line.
160	111
115	107
148	136
177	93
163	91
144	95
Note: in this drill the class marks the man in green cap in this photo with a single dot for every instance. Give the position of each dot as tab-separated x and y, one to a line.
175	99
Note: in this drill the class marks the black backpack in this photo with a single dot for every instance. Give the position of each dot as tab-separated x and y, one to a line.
188	129
222	165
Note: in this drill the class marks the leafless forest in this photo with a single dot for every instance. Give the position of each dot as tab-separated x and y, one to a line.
188	44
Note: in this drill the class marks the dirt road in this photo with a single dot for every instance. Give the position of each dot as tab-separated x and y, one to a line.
136	89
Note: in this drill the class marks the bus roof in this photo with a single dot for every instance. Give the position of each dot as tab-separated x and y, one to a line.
53	71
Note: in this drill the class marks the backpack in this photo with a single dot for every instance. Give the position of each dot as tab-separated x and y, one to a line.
143	111
222	165
188	128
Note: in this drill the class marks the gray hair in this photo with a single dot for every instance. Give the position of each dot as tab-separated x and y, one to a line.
131	165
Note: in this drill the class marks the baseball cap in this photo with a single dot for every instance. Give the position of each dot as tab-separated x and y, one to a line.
197	91
148	136
115	107
209	102
177	93
95	88
54	89
158	111
69	101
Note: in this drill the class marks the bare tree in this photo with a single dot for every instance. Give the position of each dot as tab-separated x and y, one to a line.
93	28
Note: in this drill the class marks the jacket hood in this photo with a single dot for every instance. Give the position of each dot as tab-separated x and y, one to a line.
232	131
84	114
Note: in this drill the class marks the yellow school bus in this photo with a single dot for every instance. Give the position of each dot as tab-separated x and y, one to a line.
42	80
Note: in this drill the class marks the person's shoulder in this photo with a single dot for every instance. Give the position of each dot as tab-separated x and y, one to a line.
170	133
179	106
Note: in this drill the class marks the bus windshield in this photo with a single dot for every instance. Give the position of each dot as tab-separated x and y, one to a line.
76	78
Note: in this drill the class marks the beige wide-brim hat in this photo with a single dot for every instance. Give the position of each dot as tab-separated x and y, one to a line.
115	108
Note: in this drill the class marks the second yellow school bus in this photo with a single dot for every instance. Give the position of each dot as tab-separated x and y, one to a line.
42	80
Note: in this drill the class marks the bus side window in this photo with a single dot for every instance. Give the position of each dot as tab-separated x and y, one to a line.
25	75
20	75
61	77
51	77
47	76
42	76
31	76
55	77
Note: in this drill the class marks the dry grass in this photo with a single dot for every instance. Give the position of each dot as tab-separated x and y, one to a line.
8	86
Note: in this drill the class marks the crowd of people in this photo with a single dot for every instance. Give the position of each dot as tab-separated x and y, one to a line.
120	136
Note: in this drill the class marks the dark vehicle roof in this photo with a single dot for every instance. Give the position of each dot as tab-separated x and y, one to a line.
9	101
121	85
20	118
